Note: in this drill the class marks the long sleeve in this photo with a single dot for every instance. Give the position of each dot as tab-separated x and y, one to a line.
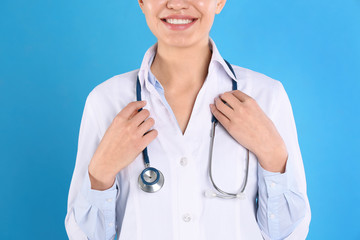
283	207
91	213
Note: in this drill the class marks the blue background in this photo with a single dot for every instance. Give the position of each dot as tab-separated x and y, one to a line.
53	53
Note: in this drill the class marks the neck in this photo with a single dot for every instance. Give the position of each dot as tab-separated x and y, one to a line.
180	68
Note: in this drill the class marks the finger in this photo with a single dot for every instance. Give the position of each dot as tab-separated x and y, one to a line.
219	116
140	117
230	99
241	95
136	110
150	136
128	111
133	114
145	126
223	108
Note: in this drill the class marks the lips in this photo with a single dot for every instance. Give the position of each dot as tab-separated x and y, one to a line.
178	22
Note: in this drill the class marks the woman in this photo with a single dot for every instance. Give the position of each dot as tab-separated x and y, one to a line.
166	107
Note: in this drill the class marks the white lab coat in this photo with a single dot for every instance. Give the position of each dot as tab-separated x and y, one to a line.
180	211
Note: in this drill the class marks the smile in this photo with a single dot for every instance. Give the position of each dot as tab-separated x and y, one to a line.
179	21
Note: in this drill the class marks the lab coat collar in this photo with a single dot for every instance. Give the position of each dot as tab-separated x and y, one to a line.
150	53
216	57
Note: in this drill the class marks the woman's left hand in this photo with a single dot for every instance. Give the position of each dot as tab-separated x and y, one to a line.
245	121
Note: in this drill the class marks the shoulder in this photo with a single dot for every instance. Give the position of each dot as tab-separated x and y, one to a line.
117	88
264	89
258	81
116	84
108	98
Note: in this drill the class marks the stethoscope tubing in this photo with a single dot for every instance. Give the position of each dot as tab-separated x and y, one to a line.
156	185
224	194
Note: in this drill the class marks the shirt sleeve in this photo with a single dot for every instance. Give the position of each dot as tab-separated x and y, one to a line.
91	213
283	207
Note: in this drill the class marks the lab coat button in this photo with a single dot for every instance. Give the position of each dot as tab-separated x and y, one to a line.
187	217
111	224
272	185
183	161
272	216
109	200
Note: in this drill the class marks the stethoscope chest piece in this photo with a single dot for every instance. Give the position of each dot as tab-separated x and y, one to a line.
151	180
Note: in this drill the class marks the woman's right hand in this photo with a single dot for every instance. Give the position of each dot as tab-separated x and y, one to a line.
123	141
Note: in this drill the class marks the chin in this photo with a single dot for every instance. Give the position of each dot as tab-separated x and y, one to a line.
182	41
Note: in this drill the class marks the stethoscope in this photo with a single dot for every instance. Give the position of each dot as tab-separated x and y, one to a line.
152	180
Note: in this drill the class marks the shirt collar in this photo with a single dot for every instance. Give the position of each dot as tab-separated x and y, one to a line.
150	54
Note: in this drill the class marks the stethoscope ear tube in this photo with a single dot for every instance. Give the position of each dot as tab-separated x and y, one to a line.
221	193
211	194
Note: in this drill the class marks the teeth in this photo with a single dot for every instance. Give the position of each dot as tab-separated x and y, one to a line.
179	21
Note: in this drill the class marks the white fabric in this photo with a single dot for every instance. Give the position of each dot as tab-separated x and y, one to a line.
179	210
